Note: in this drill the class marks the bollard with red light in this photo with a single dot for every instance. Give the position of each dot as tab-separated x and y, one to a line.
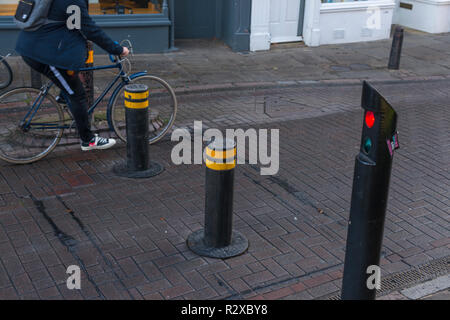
369	196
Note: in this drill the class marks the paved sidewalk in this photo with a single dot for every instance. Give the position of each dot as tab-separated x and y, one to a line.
129	236
202	64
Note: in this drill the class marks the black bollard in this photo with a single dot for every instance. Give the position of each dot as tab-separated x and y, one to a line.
396	50
369	195
138	164
87	77
217	239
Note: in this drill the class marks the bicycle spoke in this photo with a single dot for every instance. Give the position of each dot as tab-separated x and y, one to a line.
28	131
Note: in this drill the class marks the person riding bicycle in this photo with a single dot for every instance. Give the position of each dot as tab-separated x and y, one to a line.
58	52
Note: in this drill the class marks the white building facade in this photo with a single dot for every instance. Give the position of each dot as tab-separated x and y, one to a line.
432	16
320	22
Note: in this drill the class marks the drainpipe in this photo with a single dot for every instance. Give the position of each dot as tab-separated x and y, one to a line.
169	11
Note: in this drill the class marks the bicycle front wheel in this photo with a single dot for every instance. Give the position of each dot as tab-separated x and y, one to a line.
162	108
5	74
28	133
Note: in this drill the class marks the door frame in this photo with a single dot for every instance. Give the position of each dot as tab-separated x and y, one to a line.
260	38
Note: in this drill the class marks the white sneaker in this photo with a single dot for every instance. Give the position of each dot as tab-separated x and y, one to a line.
98	143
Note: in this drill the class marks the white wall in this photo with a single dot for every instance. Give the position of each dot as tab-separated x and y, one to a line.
355	21
329	23
431	16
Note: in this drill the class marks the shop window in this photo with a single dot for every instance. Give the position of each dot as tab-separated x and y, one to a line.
125	6
8	7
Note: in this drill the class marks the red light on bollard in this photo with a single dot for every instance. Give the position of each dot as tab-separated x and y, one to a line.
370	119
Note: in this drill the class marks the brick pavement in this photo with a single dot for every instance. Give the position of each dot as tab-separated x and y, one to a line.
203	63
129	236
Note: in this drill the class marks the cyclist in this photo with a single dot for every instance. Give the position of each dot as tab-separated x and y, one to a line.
58	52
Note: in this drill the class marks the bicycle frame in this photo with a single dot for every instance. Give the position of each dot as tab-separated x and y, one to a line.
4	57
44	91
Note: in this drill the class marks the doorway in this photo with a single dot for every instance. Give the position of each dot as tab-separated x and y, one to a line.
286	20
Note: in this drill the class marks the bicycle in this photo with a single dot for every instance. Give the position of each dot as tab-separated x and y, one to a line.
32	121
6	75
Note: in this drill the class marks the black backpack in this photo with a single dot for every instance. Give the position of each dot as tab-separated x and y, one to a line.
32	14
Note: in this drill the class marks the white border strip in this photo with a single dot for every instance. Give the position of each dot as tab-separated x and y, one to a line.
427	288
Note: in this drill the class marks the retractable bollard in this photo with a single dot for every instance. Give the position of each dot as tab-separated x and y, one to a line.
369	198
396	50
217	239
36	79
138	164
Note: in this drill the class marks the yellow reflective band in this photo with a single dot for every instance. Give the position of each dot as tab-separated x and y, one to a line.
136	95
136	105
90	58
220	166
219	154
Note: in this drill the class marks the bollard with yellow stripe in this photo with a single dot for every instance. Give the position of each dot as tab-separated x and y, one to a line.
138	164
217	239
219	159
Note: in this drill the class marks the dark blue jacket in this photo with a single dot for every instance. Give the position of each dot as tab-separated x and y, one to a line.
54	44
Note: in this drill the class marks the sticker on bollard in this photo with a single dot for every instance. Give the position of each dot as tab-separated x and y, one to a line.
217	239
138	164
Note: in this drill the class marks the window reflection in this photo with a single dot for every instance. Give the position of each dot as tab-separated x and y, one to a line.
8	7
125	6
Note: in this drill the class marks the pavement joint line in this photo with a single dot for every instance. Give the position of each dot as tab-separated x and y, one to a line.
91	239
243	86
66	240
294	279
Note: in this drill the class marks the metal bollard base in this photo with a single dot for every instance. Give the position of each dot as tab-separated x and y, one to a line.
239	245
154	169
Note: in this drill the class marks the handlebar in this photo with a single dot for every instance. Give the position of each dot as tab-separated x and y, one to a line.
124	43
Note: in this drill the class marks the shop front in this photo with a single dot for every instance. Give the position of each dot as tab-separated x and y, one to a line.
146	23
153	25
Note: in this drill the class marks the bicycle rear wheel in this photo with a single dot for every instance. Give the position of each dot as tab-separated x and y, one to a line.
162	108
27	134
5	74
